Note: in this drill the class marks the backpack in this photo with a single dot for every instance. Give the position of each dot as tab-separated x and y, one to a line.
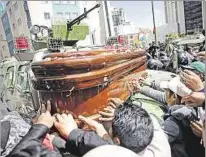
152	106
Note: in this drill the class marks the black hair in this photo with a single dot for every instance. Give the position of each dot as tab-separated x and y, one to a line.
133	126
203	32
177	96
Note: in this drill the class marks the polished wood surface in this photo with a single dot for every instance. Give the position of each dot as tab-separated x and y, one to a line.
100	61
75	54
86	93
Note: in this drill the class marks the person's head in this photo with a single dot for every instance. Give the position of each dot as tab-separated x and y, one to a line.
110	151
172	98
175	90
132	127
198	68
182	58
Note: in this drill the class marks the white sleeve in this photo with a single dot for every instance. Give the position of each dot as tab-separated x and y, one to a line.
159	146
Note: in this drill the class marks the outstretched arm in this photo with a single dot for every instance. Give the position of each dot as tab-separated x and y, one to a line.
80	141
155	94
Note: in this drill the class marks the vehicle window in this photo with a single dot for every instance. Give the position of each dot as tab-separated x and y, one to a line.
21	77
1	77
9	80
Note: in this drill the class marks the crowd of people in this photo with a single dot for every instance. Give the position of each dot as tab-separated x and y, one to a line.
126	128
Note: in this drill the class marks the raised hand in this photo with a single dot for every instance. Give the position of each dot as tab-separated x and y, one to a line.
45	118
65	124
194	99
135	85
107	114
201	55
94	125
191	80
196	128
115	102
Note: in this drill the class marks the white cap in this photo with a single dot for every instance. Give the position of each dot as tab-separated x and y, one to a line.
110	150
176	86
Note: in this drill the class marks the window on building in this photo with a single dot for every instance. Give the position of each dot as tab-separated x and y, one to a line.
3	48
14	26
22	78
9	81
59	13
11	47
71	2
45	2
1	75
84	3
75	14
19	21
8	30
58	2
47	16
68	15
16	6
10	12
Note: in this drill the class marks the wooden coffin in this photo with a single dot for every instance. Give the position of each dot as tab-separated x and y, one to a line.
82	82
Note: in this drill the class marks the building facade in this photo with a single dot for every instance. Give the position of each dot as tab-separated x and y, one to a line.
18	16
186	15
105	21
5	32
66	9
121	25
18	19
93	20
118	16
193	16
174	16
40	12
4	49
8	32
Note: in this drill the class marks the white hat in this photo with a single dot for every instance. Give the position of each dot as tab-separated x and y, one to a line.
176	86
110	150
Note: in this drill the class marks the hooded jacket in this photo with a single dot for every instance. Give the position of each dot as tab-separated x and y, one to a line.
31	144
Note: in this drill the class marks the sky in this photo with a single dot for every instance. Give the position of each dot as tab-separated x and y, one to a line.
140	12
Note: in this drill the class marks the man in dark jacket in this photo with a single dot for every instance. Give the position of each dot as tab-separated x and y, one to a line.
31	144
129	121
152	49
77	141
177	126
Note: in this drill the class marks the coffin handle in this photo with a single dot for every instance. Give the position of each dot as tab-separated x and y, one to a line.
70	92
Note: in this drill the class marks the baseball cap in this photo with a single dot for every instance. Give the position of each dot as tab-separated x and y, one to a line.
176	86
198	66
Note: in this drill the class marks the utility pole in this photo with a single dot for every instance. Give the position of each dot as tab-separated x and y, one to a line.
154	26
177	18
204	16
